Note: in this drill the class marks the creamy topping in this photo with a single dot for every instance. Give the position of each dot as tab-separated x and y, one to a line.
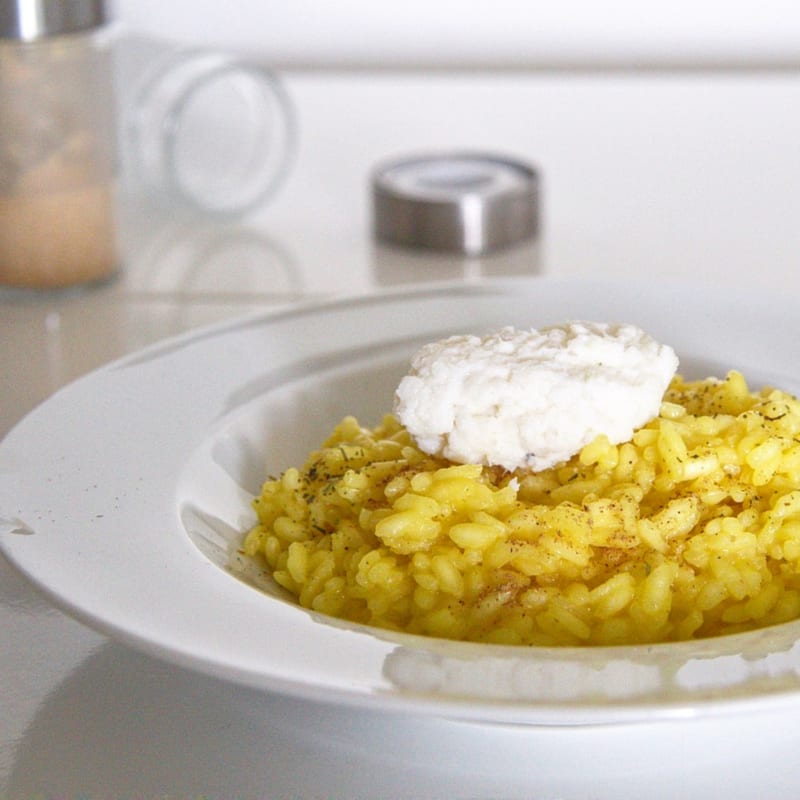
532	399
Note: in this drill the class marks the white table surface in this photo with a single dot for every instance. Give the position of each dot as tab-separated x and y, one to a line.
692	176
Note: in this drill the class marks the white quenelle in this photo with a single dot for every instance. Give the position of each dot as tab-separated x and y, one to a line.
533	398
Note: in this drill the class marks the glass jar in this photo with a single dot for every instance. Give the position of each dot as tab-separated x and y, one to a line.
201	129
57	144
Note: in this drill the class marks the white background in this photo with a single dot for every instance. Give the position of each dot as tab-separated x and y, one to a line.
486	33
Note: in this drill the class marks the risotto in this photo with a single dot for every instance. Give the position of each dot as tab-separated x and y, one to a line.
690	529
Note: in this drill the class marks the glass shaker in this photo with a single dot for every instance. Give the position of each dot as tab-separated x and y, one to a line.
57	144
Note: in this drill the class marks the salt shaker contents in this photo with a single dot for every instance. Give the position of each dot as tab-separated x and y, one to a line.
57	144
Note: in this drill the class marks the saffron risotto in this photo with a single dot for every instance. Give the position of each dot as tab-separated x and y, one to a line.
689	530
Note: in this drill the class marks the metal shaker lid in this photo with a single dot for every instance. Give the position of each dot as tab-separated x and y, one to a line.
28	20
464	202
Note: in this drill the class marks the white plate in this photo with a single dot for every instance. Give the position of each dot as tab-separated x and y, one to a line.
119	496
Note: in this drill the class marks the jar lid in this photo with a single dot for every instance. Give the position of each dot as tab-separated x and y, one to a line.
469	203
28	20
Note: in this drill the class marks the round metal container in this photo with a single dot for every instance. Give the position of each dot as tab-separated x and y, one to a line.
470	203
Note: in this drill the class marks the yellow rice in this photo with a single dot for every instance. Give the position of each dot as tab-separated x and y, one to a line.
689	530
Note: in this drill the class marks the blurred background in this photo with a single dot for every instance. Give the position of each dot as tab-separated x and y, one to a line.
543	34
664	133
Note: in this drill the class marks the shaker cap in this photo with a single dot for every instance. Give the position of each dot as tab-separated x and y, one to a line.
29	20
463	202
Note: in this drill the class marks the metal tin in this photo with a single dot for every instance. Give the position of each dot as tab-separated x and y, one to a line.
29	20
470	203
